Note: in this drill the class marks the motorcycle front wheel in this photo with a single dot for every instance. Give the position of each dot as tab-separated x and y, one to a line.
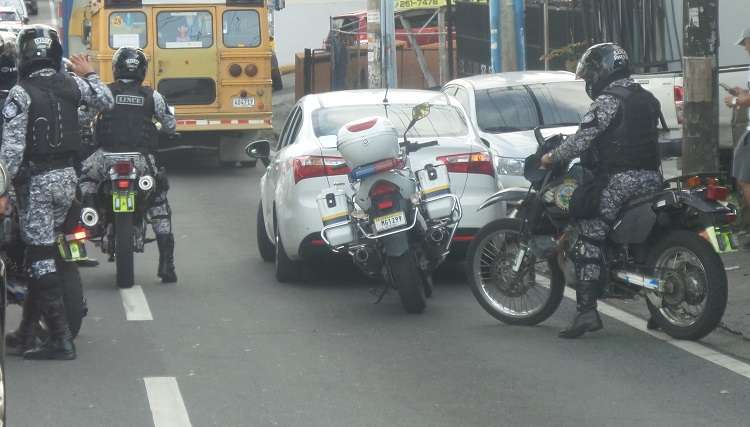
408	280
526	298
696	285
124	249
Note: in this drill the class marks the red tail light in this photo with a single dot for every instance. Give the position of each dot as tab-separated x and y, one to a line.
78	233
123	184
716	193
480	163
385	204
679	103
382	188
317	166
123	168
359	127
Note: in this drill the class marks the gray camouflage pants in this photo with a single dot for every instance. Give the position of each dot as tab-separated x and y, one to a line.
588	250
96	169
44	207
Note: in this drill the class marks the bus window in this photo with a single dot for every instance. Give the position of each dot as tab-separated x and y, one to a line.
181	30
127	29
241	28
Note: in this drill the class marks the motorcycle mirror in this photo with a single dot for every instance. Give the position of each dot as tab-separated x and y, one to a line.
420	111
259	150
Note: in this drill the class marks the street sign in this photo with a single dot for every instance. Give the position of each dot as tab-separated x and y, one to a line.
404	5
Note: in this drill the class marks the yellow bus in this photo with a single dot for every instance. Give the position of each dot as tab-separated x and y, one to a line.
211	59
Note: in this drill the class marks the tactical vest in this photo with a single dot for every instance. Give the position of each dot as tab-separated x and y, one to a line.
129	125
53	136
633	143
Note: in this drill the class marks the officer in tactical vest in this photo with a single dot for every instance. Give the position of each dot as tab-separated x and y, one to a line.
40	141
618	142
129	127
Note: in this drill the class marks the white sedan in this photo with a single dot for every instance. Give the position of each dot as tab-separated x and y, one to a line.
506	108
305	161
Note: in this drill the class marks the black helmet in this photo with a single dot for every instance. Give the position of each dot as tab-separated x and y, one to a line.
8	57
602	64
129	63
38	47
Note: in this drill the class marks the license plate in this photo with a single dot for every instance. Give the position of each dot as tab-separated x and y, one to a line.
390	221
248	102
123	202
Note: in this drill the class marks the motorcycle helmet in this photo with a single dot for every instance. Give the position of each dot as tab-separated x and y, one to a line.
129	63
38	48
601	65
8	58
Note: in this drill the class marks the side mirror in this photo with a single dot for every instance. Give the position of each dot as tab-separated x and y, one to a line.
259	150
420	111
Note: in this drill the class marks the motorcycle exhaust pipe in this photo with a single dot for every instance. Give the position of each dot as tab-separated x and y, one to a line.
146	183
89	217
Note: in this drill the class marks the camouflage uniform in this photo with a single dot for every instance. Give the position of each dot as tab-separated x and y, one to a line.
589	260
45	202
96	170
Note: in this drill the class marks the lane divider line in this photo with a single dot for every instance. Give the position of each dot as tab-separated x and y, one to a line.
135	304
165	400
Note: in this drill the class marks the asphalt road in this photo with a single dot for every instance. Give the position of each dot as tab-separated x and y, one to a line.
229	346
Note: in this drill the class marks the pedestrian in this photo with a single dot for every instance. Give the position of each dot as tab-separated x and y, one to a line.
618	143
739	98
129	127
40	142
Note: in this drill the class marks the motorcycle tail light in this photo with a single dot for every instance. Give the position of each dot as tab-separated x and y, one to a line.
123	168
123	184
385	204
316	166
730	218
476	163
78	233
716	193
382	188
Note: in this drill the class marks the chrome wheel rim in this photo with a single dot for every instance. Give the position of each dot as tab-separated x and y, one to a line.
514	295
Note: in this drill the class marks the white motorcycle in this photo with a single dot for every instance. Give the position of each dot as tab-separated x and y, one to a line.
395	223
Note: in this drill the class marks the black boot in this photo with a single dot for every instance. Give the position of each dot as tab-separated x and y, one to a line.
587	318
59	345
24	338
166	258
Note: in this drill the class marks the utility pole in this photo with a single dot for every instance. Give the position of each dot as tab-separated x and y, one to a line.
496	64
545	12
700	140
374	45
388	38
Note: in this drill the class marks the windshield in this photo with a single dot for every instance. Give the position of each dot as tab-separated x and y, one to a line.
512	109
443	120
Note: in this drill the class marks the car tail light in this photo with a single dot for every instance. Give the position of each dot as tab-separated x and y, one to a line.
78	233
316	166
479	163
679	103
123	168
716	193
123	184
382	188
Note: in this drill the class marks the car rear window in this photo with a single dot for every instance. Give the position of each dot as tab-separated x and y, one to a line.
443	120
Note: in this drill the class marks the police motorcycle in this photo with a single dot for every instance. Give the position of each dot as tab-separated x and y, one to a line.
119	219
665	246
70	239
395	222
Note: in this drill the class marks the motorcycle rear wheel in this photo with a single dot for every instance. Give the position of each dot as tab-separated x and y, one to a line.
408	280
698	275
486	263
124	250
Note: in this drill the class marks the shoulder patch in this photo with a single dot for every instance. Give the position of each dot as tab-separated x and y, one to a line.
589	120
11	109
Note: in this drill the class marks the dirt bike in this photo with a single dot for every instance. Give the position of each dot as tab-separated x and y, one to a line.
119	219
664	246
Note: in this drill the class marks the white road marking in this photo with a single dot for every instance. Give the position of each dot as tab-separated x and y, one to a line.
135	304
53	13
165	400
692	347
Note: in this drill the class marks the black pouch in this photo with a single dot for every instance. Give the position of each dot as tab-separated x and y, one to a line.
584	203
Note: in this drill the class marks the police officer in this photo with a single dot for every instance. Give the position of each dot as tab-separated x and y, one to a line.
618	142
128	127
41	137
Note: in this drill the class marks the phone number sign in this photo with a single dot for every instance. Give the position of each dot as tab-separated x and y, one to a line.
402	5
